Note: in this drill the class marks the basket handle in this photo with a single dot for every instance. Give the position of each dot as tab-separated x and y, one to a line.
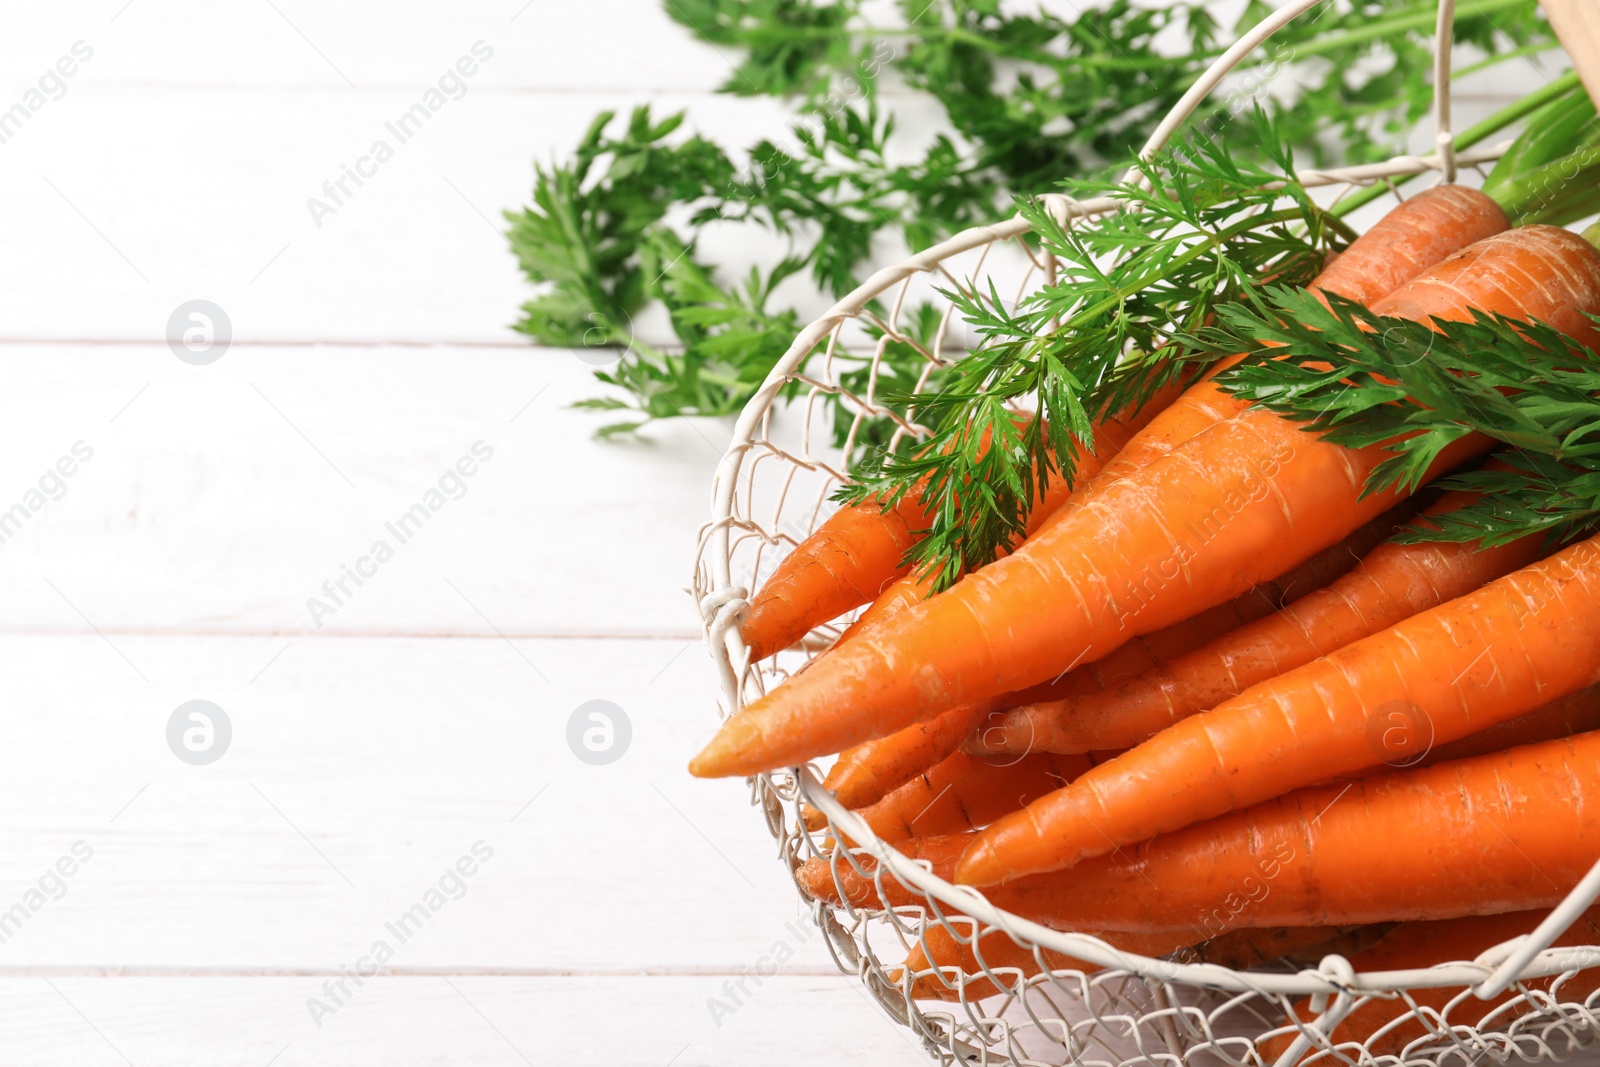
1219	69
1443	41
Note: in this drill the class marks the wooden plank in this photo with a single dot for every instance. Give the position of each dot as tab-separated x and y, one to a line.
360	772
223	497
464	1022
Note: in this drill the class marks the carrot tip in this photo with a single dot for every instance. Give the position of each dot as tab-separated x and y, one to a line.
978	866
703	766
722	756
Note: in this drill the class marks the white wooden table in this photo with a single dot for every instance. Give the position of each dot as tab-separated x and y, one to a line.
222	907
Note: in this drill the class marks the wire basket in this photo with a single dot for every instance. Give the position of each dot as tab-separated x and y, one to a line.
771	490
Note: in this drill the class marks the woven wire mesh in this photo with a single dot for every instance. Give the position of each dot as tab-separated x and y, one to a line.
1111	1008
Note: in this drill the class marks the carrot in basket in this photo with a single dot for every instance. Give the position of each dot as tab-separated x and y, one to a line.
860	550
1502	832
1419	945
964	792
842	567
1242	949
1393	583
866	773
1168	643
1481	659
1245	500
818	878
1575	713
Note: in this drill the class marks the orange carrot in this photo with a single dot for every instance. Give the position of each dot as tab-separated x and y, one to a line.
864	774
1246	948
1149	650
1418	945
1575	713
843	563
1481	659
1393	583
854	878
1245	500
869	772
1503	832
965	792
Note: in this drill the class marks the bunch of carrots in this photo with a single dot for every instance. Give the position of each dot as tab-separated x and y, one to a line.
1212	704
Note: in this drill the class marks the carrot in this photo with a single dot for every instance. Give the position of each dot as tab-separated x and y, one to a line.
865	773
1575	713
1503	832
857	882
1405	732
965	792
868	772
1242	949
860	550
1245	500
1481	659
1148	650
1417	945
1393	583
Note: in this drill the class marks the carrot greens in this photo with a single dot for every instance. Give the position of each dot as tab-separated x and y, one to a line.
1198	231
1022	100
1361	379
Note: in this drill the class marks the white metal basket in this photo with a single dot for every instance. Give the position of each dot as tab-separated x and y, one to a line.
771	490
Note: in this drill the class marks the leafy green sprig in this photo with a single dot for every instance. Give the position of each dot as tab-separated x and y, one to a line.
602	240
1197	232
1361	379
